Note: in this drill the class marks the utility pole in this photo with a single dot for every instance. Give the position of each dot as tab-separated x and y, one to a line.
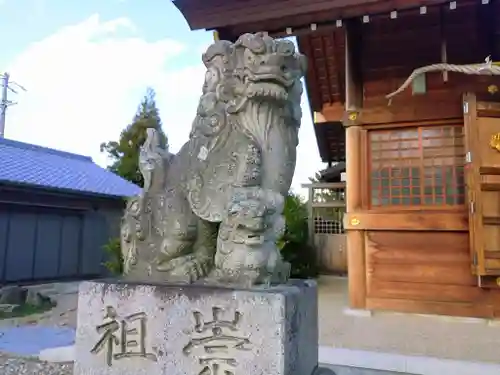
4	101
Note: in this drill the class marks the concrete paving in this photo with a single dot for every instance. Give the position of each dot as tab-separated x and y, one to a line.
346	370
388	363
476	340
58	354
30	340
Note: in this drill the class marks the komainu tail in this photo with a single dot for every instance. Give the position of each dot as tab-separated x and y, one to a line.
154	159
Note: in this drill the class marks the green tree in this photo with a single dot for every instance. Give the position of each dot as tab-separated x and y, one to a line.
294	244
124	154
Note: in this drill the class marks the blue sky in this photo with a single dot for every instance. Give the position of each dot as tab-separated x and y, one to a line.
86	65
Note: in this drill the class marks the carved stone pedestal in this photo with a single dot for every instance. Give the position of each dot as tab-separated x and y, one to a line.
165	329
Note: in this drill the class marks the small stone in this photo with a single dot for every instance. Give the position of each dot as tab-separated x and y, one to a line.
13	295
6	308
36	299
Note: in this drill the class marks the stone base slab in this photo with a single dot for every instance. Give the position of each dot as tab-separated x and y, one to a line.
127	328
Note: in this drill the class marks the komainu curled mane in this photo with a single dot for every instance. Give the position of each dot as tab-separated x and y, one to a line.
223	193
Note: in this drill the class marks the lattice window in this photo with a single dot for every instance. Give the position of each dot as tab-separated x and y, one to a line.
329	225
328	207
417	166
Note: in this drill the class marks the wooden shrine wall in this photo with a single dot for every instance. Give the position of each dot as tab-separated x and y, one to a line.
414	210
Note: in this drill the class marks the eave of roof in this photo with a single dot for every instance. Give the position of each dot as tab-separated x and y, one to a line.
70	193
214	14
26	164
333	172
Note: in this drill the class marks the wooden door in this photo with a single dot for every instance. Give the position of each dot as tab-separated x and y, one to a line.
482	130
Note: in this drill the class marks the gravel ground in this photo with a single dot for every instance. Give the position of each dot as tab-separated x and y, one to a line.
28	366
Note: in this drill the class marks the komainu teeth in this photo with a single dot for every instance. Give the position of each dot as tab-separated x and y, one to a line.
265	90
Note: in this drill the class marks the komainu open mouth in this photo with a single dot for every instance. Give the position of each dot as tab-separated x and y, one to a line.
268	86
254	240
267	90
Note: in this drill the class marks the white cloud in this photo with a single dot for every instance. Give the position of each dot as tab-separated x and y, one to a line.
83	84
85	81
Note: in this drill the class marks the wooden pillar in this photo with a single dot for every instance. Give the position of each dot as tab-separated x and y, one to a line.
353	103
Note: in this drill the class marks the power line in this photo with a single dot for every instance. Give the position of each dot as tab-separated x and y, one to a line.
7	86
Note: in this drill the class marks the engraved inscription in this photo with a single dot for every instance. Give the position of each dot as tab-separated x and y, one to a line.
218	340
122	338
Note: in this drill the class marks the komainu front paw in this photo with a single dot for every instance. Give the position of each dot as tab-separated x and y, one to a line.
236	278
188	268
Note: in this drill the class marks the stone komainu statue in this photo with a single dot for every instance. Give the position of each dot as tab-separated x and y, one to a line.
213	211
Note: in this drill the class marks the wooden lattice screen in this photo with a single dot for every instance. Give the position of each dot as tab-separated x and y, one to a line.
417	166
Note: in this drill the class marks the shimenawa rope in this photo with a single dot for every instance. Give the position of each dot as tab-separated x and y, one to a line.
487	68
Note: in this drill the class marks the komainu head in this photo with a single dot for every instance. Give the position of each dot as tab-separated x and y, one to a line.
268	68
256	68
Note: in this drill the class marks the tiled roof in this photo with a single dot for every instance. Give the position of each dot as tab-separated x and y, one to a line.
44	167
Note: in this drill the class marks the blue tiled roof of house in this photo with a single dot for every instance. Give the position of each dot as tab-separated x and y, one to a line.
24	163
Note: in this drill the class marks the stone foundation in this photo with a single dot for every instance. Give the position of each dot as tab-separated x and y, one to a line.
127	328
